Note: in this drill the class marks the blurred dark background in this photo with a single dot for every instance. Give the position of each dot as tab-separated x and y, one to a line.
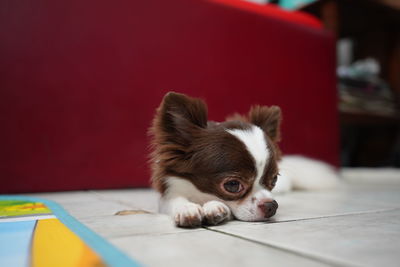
368	71
368	54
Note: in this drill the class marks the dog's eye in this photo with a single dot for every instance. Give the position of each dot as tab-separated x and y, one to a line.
274	180
233	186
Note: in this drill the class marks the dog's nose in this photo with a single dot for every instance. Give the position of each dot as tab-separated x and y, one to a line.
269	208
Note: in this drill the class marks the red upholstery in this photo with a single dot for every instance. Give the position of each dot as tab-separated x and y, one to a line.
80	80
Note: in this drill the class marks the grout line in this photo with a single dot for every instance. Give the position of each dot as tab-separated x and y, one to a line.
324	216
328	261
335	215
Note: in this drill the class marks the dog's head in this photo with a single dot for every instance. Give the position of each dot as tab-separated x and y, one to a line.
235	160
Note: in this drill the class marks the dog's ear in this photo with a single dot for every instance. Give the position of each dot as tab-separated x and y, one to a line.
180	117
268	119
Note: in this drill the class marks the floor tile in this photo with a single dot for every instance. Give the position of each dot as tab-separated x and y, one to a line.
145	199
388	176
345	200
131	225
205	248
94	209
371	239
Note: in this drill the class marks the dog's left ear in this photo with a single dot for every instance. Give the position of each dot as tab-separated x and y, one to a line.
179	119
268	119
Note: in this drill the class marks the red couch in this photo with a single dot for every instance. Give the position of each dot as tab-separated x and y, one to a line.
80	81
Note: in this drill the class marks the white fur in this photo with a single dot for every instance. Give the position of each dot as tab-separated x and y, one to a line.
178	187
247	209
255	143
301	173
179	199
188	205
216	211
182	211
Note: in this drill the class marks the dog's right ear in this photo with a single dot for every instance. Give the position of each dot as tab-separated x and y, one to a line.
268	119
180	117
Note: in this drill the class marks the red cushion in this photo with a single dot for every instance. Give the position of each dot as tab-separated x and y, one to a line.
80	81
273	11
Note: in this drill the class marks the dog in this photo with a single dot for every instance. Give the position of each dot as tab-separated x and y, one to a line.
212	172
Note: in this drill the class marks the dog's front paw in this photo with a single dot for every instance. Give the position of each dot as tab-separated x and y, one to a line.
188	215
216	212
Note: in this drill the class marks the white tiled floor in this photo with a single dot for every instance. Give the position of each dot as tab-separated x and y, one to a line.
355	225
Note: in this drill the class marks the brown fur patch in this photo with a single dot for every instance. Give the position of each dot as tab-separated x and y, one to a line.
268	119
268	180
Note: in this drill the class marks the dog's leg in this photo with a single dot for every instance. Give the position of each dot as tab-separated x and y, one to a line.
182	211
189	207
216	212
